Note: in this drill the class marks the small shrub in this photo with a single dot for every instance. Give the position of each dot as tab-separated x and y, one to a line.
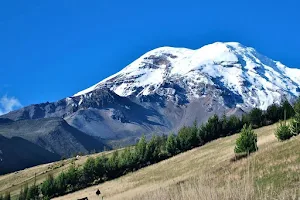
247	141
283	132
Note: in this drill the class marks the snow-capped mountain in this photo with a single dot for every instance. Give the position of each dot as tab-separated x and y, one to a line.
245	77
168	87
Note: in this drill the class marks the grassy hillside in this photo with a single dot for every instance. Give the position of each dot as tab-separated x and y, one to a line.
13	182
207	173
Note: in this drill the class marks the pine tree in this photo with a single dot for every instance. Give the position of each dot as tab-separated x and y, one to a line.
112	165
33	193
89	172
153	149
283	131
247	141
140	149
194	135
72	177
184	138
48	187
287	110
61	183
256	117
273	113
100	167
171	145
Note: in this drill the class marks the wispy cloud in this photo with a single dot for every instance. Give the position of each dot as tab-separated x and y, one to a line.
8	104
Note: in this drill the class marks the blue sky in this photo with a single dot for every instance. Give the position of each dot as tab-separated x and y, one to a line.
52	49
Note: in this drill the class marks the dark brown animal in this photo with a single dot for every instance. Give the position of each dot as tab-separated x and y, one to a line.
98	192
85	198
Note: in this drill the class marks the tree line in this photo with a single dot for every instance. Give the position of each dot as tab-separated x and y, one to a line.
158	148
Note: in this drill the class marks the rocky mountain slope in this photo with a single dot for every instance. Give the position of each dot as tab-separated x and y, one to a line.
167	88
26	143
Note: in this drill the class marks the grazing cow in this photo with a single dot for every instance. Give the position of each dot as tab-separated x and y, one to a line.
85	198
98	192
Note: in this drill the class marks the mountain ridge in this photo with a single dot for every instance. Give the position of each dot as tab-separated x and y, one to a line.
211	60
168	88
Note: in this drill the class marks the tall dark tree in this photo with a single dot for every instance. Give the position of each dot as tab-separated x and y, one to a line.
287	110
112	165
140	149
61	183
153	149
234	125
89	172
100	167
171	145
256	117
72	176
184	138
273	113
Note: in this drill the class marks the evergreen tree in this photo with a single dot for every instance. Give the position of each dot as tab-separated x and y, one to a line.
194	135
61	183
127	160
256	117
140	149
233	125
212	129
247	141
273	113
112	165
89	172
184	138
287	110
48	187
245	119
72	177
171	145
33	193
153	149
283	132
100	167
225	126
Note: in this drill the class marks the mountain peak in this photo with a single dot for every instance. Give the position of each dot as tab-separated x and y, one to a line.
256	80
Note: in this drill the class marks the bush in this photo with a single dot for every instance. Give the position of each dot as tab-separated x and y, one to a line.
247	141
283	131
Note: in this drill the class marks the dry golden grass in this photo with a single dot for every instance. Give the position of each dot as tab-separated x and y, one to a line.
13	182
207	173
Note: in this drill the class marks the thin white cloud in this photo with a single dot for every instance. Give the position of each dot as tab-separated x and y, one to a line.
8	104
